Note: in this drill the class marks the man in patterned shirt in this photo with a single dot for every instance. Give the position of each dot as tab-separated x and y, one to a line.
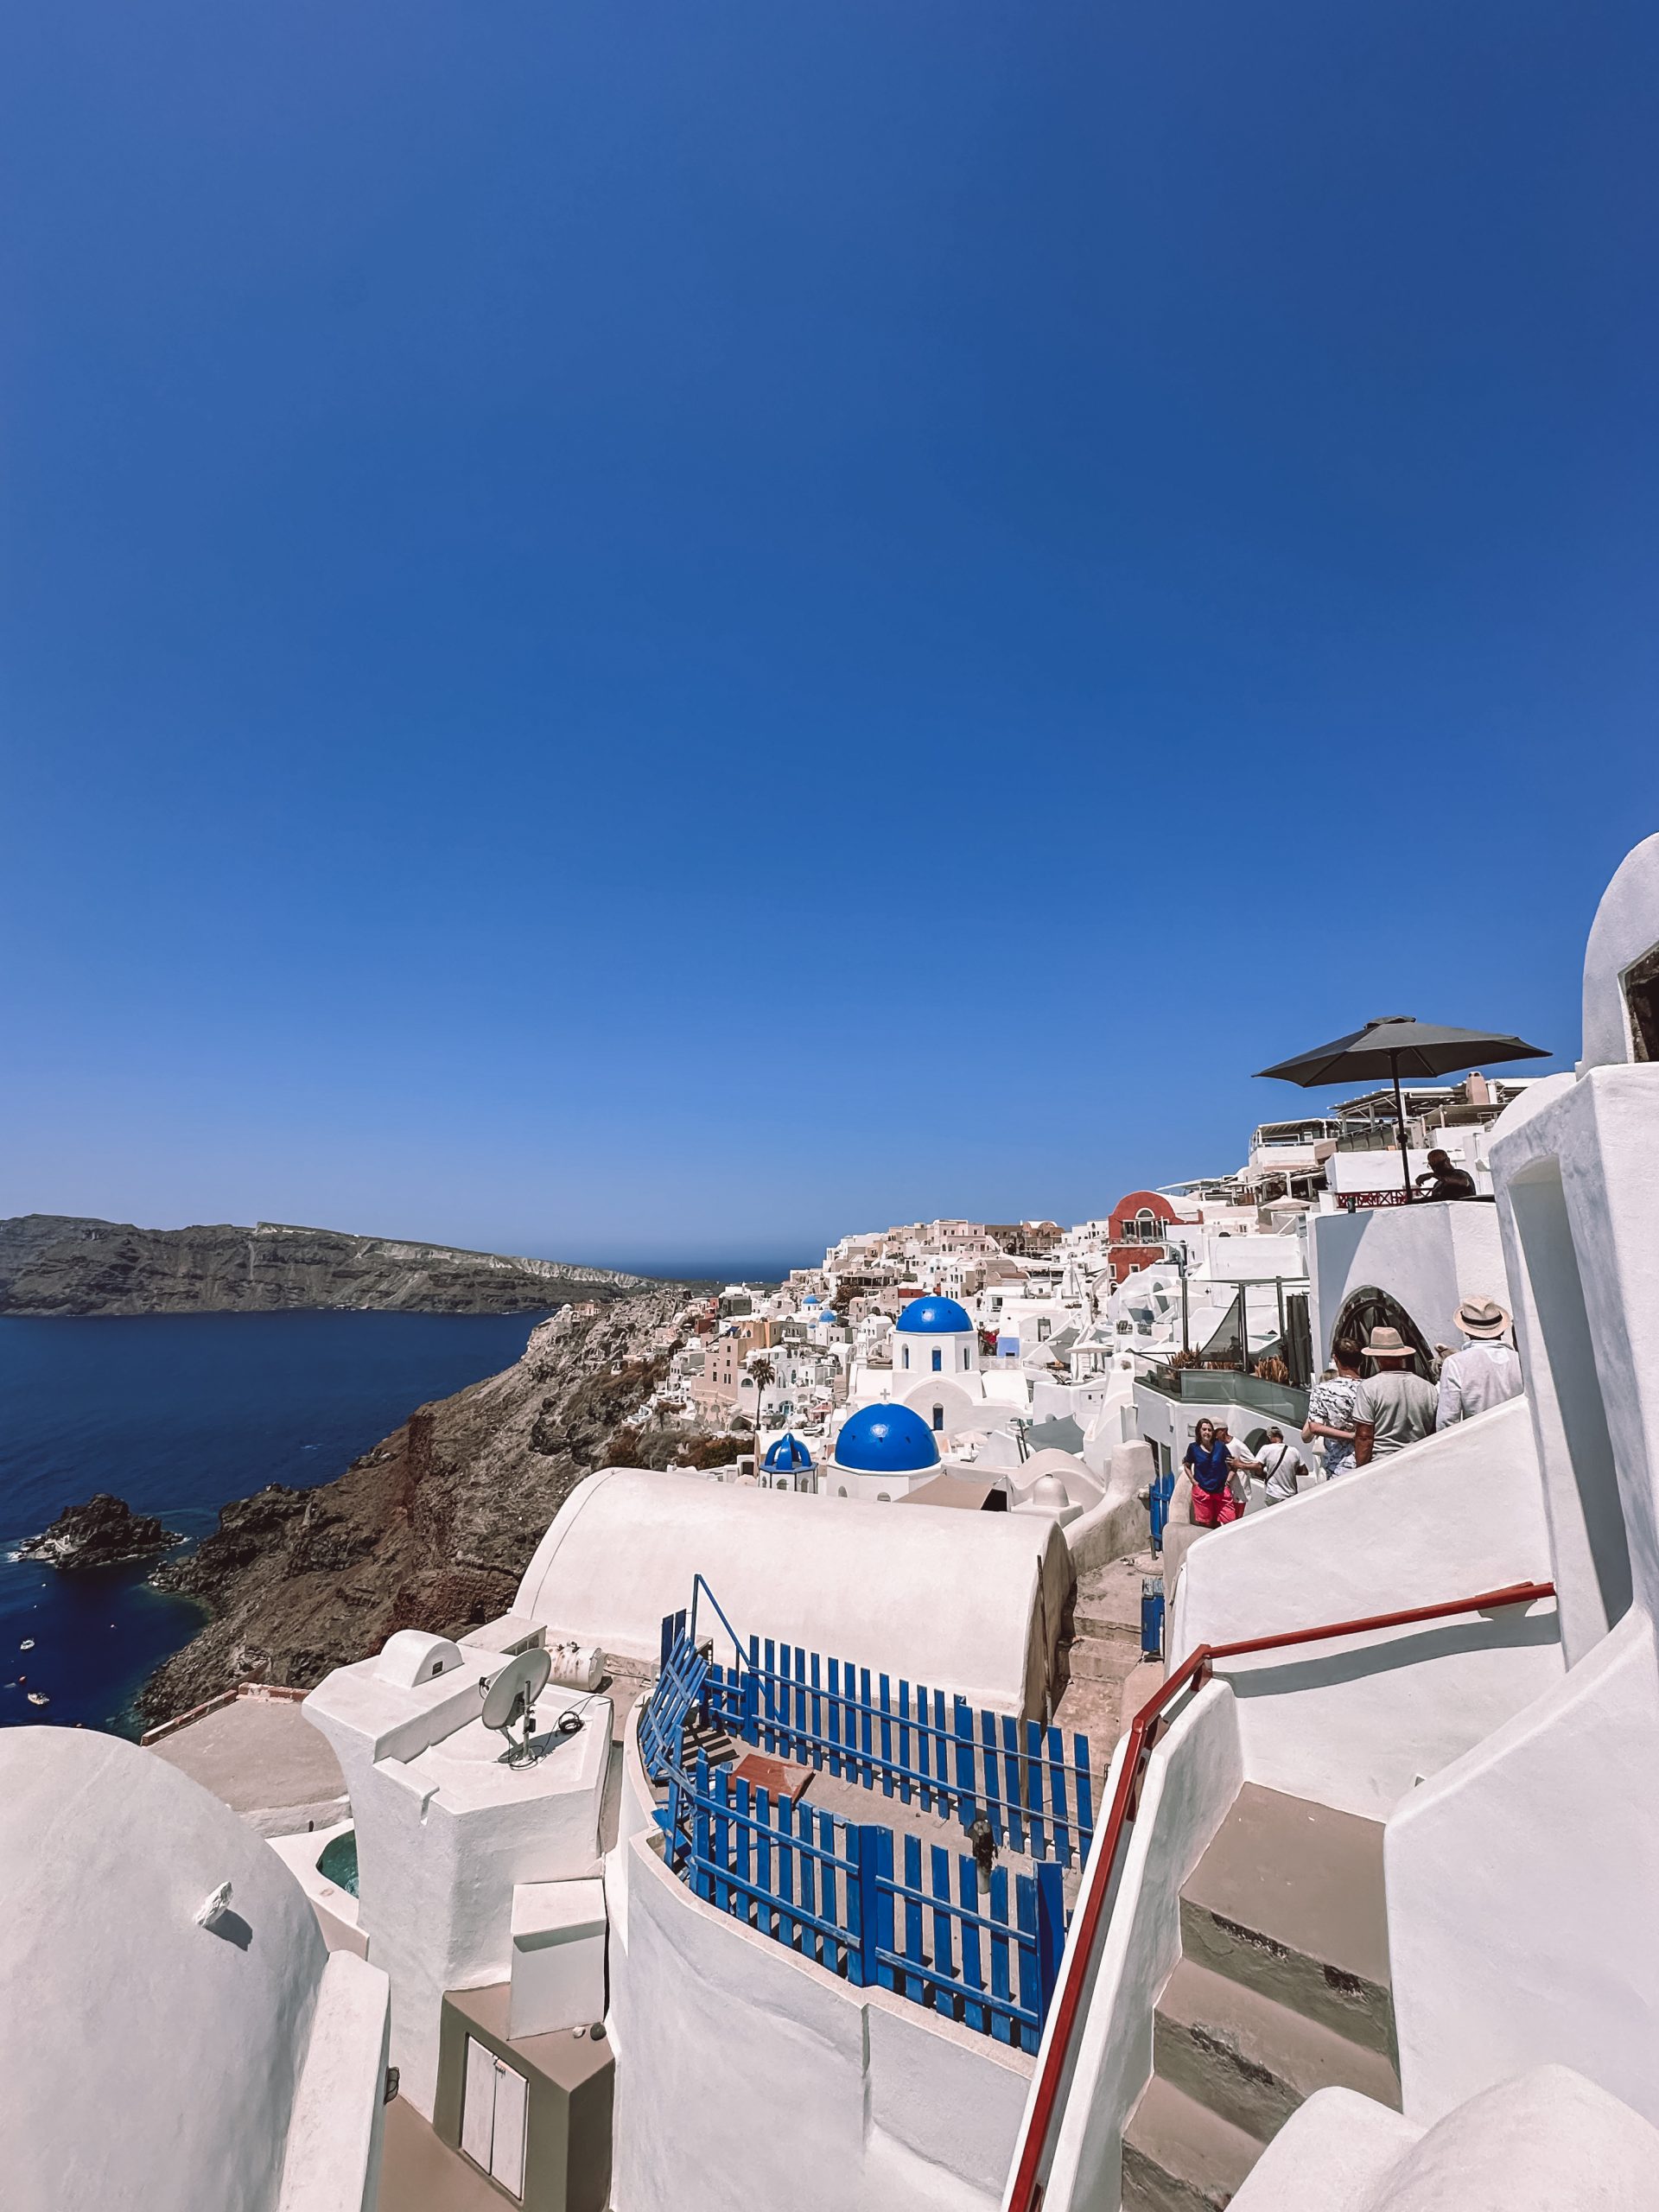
1330	1408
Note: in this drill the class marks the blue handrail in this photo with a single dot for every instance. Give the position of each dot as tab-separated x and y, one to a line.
699	1585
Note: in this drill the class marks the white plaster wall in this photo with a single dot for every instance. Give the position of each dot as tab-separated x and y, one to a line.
958	1355
436	1878
1192	1777
1428	1258
1524	1894
746	2075
1118	1524
335	2138
144	2061
1354	1723
1547	2140
1626	927
1578	1173
970	1601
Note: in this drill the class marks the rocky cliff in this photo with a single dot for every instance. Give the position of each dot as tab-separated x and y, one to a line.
52	1263
434	1527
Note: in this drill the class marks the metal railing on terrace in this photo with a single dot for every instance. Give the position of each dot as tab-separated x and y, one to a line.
1226	1386
967	1940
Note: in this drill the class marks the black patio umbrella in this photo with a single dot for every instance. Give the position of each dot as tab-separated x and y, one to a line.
1394	1046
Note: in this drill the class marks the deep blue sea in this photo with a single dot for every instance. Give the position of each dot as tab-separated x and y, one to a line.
178	1414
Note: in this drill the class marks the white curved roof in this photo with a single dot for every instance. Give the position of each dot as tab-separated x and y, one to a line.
147	2061
951	1600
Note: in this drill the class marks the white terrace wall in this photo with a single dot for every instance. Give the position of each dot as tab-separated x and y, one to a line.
1191	1779
747	2076
1427	1257
1445	1519
1524	1894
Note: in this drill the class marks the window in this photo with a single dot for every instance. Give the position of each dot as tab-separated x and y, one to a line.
938	1360
1044	1330
965	1356
906	1355
1641	983
938	1419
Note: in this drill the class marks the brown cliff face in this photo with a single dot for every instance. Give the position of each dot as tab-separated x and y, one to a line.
54	1263
432	1529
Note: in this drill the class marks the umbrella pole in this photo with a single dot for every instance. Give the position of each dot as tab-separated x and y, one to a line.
1399	1123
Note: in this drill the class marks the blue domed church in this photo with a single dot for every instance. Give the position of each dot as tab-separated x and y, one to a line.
881	1451
934	1336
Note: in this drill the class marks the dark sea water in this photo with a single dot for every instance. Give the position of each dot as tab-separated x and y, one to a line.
178	1414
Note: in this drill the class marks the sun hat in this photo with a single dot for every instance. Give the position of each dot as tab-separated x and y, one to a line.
1482	1316
1388	1343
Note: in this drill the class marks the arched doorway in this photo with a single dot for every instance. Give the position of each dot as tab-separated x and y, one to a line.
1365	1310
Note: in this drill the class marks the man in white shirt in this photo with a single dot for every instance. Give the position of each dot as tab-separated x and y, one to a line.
1279	1465
1486	1372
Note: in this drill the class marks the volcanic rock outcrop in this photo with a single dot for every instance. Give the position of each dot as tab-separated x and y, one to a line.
103	1532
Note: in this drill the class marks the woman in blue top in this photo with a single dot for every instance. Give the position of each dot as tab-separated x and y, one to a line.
1211	1465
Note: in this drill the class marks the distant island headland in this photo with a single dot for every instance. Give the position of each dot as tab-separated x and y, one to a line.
61	1264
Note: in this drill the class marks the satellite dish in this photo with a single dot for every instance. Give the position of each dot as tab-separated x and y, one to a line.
511	1699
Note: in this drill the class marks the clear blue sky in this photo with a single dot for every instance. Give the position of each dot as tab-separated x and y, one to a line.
666	630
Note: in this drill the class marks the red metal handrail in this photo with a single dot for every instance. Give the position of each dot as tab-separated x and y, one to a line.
1028	2194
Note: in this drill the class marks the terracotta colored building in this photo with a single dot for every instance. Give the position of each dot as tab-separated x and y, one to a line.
1138	1232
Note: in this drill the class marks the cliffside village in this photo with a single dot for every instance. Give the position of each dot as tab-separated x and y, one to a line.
1028	1353
904	1801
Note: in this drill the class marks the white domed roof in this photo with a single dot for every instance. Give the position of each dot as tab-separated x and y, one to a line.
150	2059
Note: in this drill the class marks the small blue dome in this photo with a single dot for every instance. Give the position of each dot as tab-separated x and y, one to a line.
788	1456
886	1441
934	1317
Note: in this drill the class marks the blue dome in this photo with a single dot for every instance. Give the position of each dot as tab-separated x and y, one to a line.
934	1317
788	1456
886	1441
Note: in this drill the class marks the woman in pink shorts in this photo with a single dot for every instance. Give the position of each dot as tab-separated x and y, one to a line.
1211	1465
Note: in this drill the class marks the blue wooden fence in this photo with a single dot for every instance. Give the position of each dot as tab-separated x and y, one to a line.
911	1743
937	1933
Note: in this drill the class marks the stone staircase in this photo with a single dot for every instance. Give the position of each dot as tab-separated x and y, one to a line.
1281	1989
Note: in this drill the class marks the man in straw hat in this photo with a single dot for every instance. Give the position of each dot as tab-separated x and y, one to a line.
1486	1372
1393	1408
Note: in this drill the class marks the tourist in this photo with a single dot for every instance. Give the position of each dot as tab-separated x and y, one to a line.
1486	1372
1393	1408
1243	1463
1330	1408
1446	1181
1280	1467
1209	1461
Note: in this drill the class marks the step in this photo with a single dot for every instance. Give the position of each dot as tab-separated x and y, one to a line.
1091	1659
1092	1621
1252	2060
1181	2157
1289	1900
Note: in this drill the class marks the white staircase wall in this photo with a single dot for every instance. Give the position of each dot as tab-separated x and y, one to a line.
1191	1779
1524	1894
1348	1724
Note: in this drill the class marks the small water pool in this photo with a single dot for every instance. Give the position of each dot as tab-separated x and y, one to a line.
337	1862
